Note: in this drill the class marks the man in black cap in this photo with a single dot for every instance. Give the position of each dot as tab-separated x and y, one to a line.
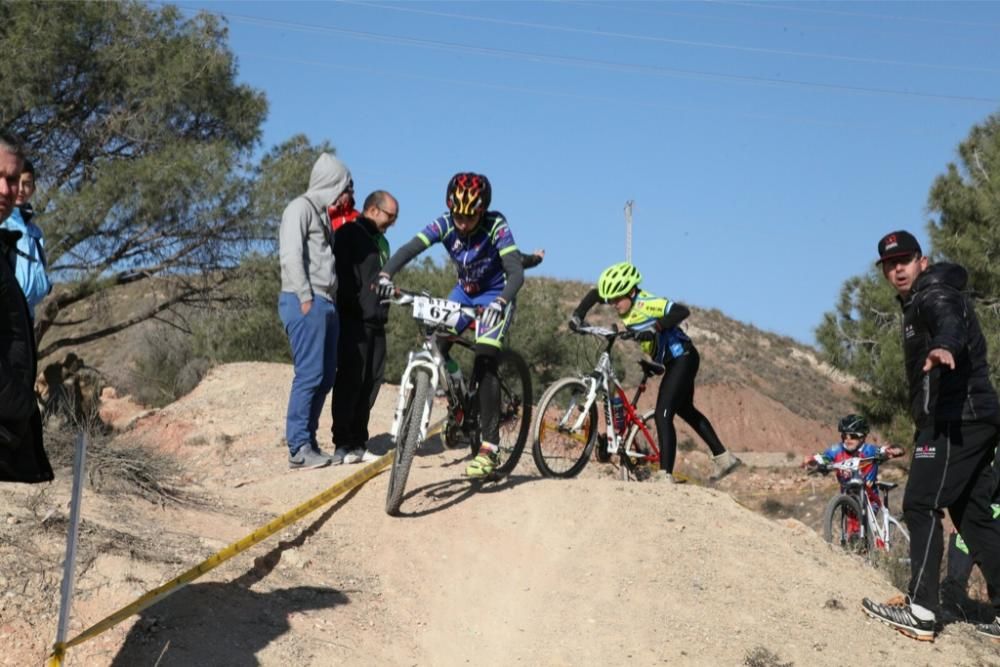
957	417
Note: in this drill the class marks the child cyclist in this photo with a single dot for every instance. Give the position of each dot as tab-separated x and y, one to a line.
490	273
656	321
853	431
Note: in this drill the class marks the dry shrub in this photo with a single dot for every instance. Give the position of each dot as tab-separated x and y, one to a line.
762	657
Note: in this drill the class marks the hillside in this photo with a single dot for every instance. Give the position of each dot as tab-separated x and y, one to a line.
532	571
763	392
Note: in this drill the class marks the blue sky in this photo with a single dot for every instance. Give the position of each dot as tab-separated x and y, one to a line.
767	146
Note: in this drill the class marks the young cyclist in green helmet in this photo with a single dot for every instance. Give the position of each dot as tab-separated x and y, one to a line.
656	321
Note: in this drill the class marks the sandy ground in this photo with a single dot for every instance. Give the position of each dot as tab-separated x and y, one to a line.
531	571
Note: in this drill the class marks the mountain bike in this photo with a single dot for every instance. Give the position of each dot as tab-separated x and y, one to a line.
565	427
425	374
853	522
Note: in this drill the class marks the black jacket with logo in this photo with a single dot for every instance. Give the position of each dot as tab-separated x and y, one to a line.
22	454
938	314
360	252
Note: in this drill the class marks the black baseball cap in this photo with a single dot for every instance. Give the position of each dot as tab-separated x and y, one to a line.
897	244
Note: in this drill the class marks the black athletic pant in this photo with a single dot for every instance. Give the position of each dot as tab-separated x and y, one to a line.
676	397
485	374
950	469
360	372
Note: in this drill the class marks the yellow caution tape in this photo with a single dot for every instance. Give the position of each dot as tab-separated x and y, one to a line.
212	562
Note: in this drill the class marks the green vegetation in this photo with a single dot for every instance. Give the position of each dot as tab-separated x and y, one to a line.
862	335
143	140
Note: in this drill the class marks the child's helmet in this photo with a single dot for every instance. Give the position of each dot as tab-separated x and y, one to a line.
853	424
468	193
618	280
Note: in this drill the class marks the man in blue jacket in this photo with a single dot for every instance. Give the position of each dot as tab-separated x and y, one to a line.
31	265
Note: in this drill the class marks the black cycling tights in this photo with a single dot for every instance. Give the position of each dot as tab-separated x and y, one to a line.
485	373
676	397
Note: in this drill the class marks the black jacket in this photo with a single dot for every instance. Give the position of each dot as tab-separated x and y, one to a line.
22	455
938	314
359	258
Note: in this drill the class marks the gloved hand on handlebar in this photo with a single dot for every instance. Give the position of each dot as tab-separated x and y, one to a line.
645	335
493	314
384	287
575	323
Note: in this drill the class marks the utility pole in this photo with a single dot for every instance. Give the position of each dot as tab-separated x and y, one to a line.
628	231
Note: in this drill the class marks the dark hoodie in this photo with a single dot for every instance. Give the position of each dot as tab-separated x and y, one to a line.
938	314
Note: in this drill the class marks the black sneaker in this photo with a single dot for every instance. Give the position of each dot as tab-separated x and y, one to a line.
990	630
898	614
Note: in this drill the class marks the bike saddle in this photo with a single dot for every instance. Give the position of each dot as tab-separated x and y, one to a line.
886	486
651	367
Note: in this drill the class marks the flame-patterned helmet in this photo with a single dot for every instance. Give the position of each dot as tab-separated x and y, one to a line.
618	280
468	193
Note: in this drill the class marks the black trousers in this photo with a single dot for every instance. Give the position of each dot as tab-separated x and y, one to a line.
360	373
676	397
950	469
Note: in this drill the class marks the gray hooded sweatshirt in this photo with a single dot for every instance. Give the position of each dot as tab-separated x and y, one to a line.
305	240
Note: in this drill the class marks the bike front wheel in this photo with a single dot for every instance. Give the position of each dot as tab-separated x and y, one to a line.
560	447
842	524
637	458
407	439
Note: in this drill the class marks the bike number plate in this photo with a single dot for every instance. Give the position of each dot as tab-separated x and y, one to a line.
437	311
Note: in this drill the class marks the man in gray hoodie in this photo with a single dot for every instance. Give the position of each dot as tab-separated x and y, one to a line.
307	303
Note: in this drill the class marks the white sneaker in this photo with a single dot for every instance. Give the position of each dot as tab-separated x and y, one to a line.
339	456
359	455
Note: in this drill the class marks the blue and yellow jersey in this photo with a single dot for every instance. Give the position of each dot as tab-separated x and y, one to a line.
478	256
645	311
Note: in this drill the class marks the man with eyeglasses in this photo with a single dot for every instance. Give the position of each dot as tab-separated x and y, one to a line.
957	417
361	250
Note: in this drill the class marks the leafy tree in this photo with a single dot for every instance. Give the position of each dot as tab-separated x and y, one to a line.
862	335
143	141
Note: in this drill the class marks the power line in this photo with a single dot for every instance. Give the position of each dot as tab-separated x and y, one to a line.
592	63
787	7
452	83
669	40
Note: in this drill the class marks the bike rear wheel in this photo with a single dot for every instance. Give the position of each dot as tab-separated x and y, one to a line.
515	409
560	450
634	457
407	440
842	525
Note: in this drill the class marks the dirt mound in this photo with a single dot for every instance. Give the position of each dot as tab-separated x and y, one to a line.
530	571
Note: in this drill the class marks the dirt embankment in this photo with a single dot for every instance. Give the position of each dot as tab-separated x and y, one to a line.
531	571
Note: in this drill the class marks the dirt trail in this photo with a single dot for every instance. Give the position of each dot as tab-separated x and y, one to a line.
531	571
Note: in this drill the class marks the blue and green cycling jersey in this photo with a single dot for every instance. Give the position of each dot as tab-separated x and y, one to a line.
477	256
643	315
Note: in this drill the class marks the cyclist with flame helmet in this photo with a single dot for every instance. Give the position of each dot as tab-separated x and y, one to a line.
490	273
656	321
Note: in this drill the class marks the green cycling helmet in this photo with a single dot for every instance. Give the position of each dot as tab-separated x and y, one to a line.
617	281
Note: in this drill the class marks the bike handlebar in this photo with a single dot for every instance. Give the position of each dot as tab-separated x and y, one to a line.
607	333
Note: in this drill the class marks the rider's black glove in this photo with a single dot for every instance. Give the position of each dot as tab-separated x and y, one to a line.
575	323
384	288
645	336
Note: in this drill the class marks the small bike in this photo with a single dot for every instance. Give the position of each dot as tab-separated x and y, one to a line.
565	428
851	520
425	373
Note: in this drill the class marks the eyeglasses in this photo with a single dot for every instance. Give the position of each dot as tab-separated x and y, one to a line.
854	436
391	215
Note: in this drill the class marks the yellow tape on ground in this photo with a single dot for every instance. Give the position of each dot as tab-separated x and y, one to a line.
210	563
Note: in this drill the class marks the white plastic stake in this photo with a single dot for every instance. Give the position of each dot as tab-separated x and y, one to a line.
69	565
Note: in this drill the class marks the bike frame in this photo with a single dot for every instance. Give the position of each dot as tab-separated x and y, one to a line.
601	382
872	522
430	358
